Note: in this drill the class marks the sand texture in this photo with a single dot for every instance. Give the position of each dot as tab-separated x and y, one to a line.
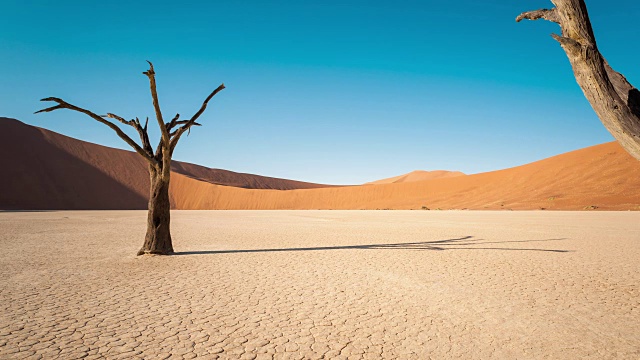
313	284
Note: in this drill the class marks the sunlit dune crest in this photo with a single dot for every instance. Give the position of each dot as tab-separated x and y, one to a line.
418	175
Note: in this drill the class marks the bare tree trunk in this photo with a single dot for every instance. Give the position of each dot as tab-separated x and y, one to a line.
158	238
614	100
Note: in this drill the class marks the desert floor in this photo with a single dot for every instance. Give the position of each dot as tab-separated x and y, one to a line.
313	284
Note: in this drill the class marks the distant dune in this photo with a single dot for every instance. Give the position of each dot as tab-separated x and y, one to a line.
45	170
418	175
599	177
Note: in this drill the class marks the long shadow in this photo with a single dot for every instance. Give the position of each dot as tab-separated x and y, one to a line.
437	245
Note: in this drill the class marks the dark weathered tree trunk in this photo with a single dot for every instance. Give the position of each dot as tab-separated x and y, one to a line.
158	238
614	99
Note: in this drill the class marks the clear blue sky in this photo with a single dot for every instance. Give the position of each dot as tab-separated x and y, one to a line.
339	92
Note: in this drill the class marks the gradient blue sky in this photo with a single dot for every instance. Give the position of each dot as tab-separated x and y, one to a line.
338	92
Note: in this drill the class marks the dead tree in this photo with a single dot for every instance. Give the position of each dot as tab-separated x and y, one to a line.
614	100
158	237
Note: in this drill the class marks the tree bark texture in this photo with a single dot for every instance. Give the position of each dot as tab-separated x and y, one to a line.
614	99
158	238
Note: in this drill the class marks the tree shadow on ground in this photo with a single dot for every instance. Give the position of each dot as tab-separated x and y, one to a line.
463	243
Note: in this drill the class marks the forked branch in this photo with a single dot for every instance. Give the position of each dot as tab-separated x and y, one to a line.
172	123
142	131
65	105
170	137
175	136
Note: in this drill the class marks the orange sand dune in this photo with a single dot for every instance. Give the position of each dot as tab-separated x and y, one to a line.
418	175
602	176
45	170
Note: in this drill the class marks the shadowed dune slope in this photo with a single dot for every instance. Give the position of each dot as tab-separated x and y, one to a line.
45	170
602	176
418	175
230	178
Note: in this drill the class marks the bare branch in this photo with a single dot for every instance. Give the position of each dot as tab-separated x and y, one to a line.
144	136
151	74
119	118
546	14
65	105
142	132
173	133
612	97
186	121
175	136
50	108
172	123
206	101
187	125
